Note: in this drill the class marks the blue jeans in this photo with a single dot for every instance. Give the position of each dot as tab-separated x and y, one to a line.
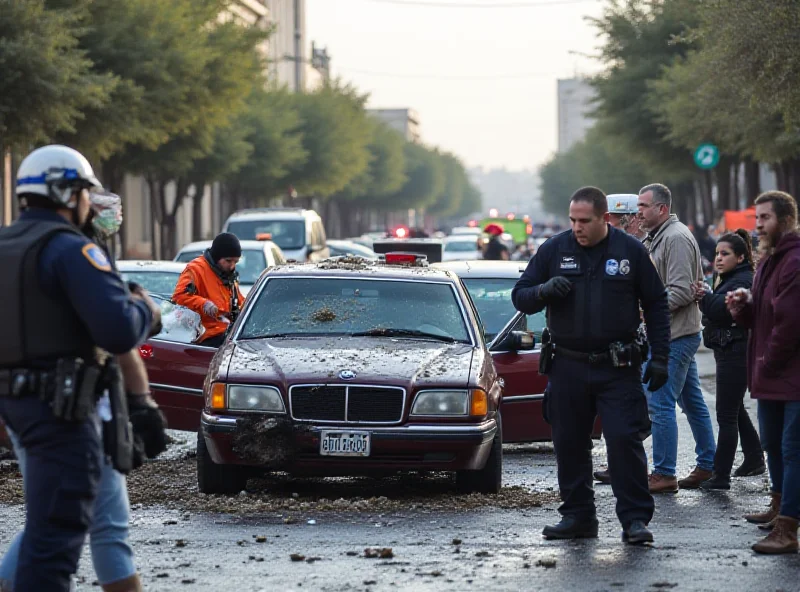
779	422
683	388
108	535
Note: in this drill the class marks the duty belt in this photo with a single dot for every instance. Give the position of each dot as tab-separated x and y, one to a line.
17	382
597	357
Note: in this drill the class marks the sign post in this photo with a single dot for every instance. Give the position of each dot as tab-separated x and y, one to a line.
706	156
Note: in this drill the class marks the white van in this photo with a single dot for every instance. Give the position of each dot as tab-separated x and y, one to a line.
298	232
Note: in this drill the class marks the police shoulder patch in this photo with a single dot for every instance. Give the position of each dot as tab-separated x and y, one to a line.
96	257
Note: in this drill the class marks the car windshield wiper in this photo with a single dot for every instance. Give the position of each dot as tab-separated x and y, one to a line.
389	332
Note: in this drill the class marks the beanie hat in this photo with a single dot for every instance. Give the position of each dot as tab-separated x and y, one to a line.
225	245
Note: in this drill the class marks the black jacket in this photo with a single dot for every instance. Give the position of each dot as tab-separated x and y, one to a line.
715	313
603	304
719	328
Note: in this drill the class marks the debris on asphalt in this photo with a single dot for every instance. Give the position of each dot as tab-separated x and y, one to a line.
261	539
382	553
483	554
297	557
664	585
180	543
456	541
547	563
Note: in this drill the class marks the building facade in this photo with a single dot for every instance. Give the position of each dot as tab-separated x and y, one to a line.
405	121
575	96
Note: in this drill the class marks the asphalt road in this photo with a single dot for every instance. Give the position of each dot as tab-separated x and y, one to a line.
702	543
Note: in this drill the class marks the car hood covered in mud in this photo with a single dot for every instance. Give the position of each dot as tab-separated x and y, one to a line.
409	363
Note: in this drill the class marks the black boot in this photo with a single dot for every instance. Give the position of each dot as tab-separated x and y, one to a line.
717	482
637	533
571	528
751	467
603	476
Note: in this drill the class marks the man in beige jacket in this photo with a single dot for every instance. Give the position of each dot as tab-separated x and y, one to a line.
676	256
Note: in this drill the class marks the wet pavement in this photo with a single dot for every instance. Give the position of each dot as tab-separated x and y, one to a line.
429	538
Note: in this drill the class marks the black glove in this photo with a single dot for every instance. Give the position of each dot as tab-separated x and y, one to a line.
657	373
555	288
149	425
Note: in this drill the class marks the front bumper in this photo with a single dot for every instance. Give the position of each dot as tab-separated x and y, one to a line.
398	448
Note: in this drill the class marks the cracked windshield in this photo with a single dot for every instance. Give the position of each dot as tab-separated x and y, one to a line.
317	306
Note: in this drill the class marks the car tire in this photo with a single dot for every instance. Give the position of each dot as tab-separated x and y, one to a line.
489	479
214	478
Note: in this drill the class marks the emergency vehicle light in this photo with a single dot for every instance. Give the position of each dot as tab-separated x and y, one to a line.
403	257
264	236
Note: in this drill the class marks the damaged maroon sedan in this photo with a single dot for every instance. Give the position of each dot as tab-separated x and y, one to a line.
351	367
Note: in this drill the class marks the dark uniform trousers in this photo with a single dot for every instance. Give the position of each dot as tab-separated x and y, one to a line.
64	460
578	392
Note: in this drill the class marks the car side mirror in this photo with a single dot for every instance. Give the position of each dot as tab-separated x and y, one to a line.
516	341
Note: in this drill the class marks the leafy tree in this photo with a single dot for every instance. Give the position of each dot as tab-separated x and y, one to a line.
595	161
456	182
425	178
638	44
272	125
46	80
384	176
335	133
156	52
231	67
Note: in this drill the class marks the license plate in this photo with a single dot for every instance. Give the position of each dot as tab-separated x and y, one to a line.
344	443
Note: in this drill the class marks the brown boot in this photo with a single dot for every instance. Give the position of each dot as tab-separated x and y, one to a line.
663	483
769	525
782	539
695	478
770	514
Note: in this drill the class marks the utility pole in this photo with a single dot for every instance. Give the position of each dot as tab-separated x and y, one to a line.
298	49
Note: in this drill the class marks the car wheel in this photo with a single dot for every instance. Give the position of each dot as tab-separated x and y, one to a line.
489	479
214	478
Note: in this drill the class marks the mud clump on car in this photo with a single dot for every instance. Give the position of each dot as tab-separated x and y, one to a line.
348	263
265	440
323	315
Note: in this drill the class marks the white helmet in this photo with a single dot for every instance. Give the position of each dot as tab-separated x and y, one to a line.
623	203
55	172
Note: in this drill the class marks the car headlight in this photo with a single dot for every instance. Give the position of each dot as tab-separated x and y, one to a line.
455	402
255	398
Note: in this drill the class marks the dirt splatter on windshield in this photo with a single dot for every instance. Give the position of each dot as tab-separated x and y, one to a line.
323	315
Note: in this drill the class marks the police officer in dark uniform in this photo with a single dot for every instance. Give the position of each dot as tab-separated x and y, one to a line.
592	280
61	301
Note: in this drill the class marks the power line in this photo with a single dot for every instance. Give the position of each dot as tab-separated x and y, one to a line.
520	75
432	4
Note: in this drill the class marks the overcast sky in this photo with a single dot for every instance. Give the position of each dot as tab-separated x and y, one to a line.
483	80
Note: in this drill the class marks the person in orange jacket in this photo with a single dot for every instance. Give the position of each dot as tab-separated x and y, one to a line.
209	286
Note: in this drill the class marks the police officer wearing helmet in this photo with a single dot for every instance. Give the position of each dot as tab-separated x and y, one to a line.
64	301
592	280
623	213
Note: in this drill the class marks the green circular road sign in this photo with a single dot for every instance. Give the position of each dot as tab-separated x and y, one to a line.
706	156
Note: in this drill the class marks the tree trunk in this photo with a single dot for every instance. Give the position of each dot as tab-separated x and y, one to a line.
157	211
708	198
752	181
794	178
733	202
197	209
781	176
723	178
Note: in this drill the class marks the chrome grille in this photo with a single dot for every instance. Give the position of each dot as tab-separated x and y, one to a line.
348	404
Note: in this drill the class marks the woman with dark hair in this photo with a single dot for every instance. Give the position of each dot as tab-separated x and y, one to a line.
734	267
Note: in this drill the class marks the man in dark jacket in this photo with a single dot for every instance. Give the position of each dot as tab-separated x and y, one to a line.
772	312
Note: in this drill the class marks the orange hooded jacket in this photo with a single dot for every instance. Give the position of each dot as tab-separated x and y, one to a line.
197	284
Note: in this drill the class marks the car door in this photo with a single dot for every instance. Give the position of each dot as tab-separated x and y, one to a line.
177	370
524	388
